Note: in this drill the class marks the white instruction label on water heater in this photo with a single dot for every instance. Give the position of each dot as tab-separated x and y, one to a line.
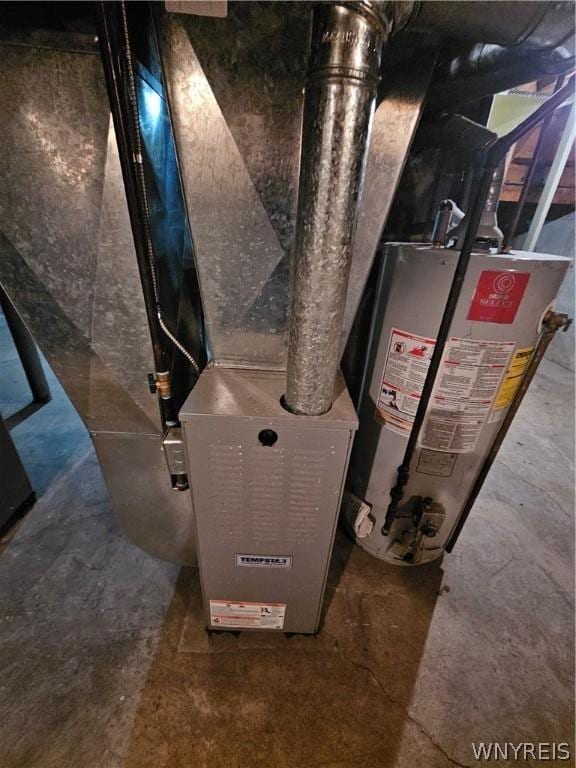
230	615
465	389
405	370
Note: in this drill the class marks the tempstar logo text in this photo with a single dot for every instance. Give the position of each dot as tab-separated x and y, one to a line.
525	750
264	561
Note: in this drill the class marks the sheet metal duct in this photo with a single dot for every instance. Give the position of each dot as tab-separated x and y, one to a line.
223	113
67	260
408	63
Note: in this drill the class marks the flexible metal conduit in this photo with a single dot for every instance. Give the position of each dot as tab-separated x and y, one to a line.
338	106
139	170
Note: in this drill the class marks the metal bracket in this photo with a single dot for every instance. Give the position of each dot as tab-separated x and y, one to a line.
173	447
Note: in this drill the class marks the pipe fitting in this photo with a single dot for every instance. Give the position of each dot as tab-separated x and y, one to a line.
488	229
346	42
448	216
164	385
556	321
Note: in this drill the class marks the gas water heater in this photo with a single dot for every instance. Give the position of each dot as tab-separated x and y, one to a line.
492	339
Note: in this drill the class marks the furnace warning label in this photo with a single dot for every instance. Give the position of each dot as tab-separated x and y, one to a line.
405	370
226	614
511	382
467	383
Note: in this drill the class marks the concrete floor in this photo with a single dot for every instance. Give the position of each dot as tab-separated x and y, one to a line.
100	665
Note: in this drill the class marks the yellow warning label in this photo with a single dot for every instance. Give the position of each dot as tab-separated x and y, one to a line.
513	377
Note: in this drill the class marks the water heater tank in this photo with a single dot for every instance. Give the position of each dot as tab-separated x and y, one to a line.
494	331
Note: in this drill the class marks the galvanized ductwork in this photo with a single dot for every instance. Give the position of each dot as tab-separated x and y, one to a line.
339	103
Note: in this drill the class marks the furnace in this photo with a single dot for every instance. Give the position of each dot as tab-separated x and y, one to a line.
266	488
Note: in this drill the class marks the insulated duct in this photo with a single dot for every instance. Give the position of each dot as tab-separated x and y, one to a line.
513	43
486	69
338	106
539	23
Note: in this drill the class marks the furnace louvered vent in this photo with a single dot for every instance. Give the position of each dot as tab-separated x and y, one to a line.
226	475
283	490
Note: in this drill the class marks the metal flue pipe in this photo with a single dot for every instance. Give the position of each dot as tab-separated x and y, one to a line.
339	102
488	230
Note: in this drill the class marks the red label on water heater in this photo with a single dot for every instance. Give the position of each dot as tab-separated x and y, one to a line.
498	296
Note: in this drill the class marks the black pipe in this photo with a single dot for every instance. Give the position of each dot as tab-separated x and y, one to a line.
492	157
551	324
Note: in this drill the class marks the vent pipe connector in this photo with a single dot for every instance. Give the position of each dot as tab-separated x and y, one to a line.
339	102
488	229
